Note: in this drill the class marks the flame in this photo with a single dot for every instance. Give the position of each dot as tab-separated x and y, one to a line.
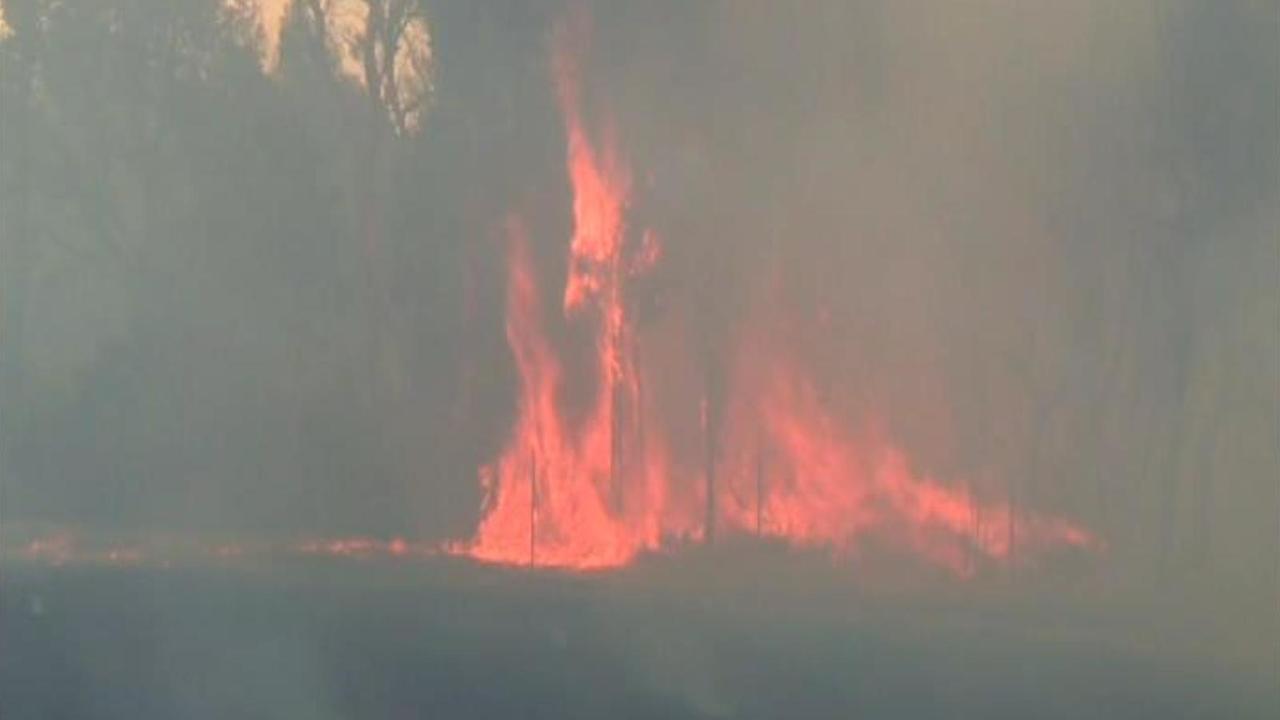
589	494
557	494
595	491
818	484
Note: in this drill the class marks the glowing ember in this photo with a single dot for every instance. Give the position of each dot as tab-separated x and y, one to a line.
363	547
55	549
62	547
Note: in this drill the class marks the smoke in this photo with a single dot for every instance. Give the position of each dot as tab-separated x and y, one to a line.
1036	244
1012	267
1032	247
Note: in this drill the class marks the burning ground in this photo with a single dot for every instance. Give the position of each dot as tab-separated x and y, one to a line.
594	490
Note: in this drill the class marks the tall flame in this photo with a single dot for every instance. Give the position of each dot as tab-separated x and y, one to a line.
595	491
592	493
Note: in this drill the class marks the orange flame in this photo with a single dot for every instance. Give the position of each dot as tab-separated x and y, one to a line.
595	492
590	494
816	484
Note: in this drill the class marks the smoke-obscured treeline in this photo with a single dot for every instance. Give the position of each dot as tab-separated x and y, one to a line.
242	291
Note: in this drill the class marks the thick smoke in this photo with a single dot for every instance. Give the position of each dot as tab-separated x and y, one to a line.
1034	246
1038	245
254	267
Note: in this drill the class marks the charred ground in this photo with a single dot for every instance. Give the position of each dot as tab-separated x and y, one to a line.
444	638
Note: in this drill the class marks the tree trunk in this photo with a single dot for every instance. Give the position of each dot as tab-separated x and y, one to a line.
17	265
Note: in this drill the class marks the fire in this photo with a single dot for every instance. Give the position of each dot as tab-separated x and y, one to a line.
593	490
818	484
362	547
62	547
587	494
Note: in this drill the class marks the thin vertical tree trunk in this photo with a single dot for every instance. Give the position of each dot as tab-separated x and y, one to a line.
1012	523
709	464
13	303
533	509
759	493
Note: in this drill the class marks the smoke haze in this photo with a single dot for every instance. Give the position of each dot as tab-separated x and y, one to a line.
254	266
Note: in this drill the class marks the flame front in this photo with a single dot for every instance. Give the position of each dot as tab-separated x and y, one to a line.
595	490
818	484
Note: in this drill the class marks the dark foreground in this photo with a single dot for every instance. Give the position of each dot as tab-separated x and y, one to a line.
346	639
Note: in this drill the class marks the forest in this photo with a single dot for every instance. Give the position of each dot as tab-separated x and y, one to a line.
253	264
